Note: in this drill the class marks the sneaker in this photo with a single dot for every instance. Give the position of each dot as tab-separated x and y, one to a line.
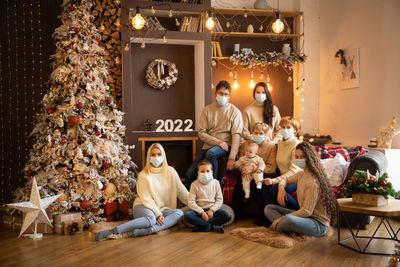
218	229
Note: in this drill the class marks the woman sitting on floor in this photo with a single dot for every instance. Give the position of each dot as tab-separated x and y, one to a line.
316	199
158	188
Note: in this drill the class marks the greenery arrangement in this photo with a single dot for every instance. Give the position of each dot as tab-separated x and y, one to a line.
364	182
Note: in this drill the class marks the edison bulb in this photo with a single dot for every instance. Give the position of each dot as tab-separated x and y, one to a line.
252	84
210	23
277	26
269	86
138	21
235	85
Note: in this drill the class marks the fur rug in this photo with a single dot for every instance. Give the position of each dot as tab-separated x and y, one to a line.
270	238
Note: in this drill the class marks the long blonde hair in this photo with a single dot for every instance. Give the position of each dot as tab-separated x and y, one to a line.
164	165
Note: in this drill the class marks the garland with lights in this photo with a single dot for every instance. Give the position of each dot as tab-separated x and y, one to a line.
161	81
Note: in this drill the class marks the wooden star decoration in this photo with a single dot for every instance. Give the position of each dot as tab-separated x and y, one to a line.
235	26
35	209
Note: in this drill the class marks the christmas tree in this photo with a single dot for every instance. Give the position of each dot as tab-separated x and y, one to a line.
79	151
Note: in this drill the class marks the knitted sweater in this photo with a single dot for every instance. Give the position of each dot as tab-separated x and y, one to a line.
285	157
205	196
267	151
310	203
221	123
253	114
158	192
257	162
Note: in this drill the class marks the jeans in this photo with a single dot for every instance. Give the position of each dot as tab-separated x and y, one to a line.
145	218
291	223
219	218
270	195
212	154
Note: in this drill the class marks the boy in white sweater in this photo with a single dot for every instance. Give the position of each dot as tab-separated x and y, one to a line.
205	201
257	164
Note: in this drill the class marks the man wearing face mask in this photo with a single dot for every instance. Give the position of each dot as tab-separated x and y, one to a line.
220	129
205	201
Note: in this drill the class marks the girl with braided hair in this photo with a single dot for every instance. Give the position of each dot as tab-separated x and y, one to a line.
316	199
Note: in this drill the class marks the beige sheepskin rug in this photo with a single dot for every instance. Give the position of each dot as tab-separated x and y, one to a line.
271	238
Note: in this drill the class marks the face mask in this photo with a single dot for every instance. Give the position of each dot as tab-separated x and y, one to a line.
261	98
287	133
301	163
221	100
258	139
205	177
156	161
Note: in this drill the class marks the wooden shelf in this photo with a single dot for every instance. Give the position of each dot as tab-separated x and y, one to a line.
257	35
168	34
221	58
166	6
255	12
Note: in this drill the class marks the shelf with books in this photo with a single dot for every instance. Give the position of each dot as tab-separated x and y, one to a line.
256	34
168	35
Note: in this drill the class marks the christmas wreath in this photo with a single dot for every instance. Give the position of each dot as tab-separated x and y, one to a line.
164	78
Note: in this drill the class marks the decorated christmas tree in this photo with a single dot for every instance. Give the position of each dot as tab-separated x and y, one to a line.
79	151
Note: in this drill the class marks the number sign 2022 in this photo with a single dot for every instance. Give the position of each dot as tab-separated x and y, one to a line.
174	125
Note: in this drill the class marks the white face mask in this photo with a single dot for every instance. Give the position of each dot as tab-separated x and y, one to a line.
205	177
260	98
258	139
301	163
222	100
287	133
156	161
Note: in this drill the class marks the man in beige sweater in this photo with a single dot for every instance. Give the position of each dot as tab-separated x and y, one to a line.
220	129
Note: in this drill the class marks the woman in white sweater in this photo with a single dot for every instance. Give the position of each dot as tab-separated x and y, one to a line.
158	188
262	110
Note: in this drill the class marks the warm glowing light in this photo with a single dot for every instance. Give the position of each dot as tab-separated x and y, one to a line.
302	100
252	84
164	39
230	74
278	26
210	23
235	85
143	45
138	21
170	13
302	109
269	85
126	47
153	10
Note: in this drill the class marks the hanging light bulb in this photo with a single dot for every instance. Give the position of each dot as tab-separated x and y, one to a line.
143	45
210	23
170	13
278	26
235	82
164	39
269	86
252	84
177	23
153	10
261	76
138	21
245	15
126	47
230	74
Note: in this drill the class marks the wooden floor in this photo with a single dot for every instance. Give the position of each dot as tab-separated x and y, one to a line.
179	248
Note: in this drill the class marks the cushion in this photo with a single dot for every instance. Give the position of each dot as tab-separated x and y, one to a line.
336	169
224	207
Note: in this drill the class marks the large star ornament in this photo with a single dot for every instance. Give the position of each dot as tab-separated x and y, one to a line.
35	209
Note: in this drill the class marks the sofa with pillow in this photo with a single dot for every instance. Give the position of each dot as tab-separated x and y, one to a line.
339	163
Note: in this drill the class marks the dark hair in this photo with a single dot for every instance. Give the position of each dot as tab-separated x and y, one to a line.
223	85
204	162
268	112
325	191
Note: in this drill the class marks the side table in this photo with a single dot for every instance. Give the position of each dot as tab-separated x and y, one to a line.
381	213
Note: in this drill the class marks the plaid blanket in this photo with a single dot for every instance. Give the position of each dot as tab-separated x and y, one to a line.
229	181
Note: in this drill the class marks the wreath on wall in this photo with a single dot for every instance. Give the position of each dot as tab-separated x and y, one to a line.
166	74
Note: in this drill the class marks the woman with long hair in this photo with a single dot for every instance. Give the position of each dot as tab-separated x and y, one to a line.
262	110
315	196
158	188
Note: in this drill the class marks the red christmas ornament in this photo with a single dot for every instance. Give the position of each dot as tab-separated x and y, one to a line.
66	48
383	183
53	84
93	78
64	141
71	8
81	58
106	165
97	133
354	180
91	42
68	88
30	172
109	100
73	120
50	110
98	40
91	20
77	29
79	105
85	204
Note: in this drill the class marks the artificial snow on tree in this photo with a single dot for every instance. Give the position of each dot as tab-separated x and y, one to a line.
79	150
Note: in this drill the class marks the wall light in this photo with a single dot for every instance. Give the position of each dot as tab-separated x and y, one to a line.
210	23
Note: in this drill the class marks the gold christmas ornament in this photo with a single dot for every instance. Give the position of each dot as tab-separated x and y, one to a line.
110	190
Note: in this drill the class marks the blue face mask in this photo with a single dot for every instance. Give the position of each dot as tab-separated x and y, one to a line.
261	98
287	133
221	100
301	163
156	161
258	139
205	177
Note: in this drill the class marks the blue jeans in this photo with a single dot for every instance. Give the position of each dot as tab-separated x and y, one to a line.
212	154
145	218
270	195
220	217
291	223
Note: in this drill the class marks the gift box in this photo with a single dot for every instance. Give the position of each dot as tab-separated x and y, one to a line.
73	227
116	211
62	218
12	222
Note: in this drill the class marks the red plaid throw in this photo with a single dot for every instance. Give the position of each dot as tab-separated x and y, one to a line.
228	184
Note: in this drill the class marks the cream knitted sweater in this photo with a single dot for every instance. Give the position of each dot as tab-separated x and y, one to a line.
253	114
285	157
205	196
157	191
221	123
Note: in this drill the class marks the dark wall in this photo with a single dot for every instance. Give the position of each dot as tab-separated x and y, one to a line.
26	45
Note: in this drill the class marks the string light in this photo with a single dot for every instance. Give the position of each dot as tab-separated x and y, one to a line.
143	45
252	84
126	48
170	13
177	23
269	85
230	74
153	10
235	82
261	75
138	21
164	39
210	23
245	15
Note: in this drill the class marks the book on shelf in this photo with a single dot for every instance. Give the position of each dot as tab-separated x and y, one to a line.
216	49
219	52
190	24
218	26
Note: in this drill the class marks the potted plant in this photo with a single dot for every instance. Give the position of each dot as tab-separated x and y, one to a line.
367	189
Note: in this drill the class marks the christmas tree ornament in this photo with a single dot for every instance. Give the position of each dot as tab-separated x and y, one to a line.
35	210
66	48
77	30
91	20
64	141
73	120
30	172
85	204
97	133
79	105
71	8
110	190
106	165
108	100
